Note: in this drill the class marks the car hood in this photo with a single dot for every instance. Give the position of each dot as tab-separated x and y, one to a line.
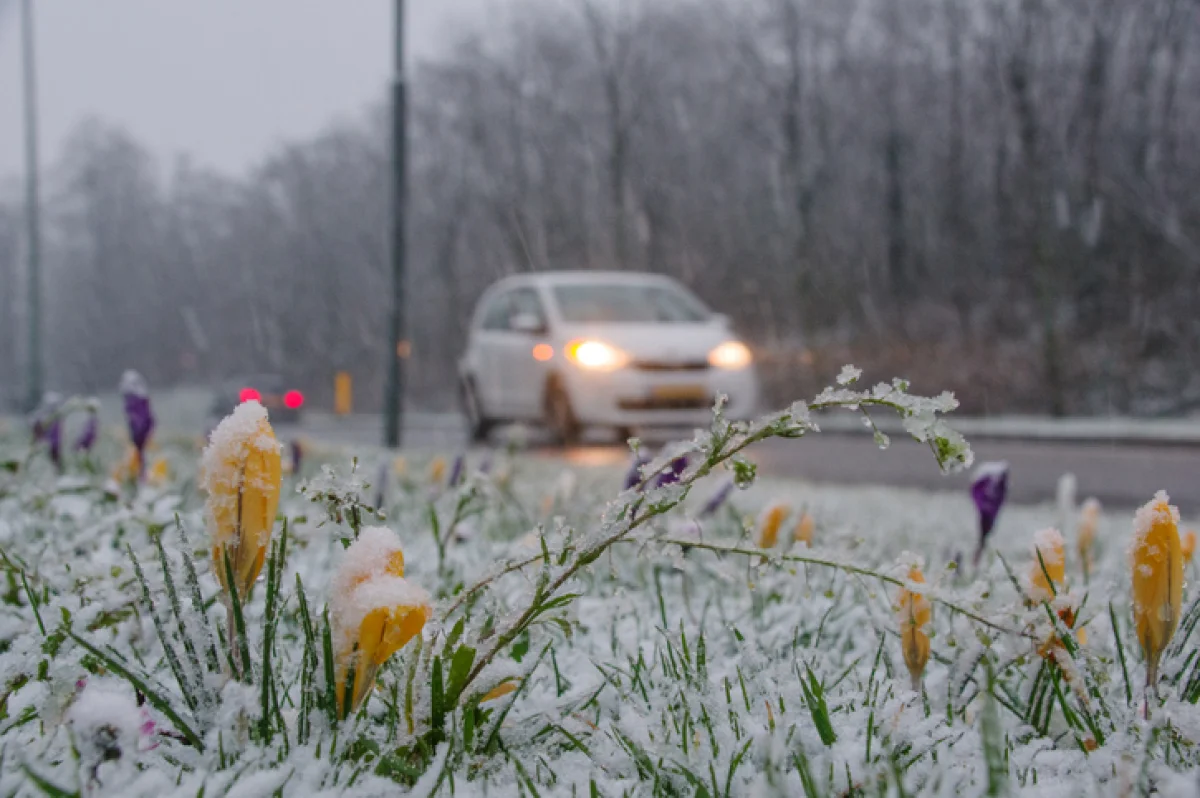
655	342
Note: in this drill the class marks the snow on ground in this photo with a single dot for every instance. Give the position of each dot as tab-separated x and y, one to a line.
684	661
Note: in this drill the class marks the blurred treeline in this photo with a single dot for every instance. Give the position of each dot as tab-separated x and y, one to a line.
993	196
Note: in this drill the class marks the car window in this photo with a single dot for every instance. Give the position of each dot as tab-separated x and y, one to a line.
498	313
525	301
604	303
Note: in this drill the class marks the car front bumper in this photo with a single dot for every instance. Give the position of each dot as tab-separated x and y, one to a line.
632	397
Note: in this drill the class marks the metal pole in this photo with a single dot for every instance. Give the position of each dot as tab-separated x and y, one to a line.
398	348
34	244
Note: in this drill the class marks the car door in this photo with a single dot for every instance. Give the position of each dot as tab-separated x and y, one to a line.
524	373
489	345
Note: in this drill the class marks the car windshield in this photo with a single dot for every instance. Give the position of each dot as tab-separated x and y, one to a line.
601	303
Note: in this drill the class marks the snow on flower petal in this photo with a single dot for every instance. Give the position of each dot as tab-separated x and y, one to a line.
241	471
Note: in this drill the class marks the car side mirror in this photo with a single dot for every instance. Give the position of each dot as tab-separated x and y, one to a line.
526	323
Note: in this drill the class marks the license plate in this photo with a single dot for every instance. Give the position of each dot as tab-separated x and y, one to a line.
679	392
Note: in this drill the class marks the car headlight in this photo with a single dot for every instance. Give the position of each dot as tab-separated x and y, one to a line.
730	355
596	355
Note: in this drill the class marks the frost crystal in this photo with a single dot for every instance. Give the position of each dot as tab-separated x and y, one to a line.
849	376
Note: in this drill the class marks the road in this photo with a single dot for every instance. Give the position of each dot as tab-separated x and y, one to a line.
1120	475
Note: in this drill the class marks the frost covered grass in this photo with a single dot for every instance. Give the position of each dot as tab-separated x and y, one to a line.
496	626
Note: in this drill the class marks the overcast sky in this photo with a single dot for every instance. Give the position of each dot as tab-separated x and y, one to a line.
221	80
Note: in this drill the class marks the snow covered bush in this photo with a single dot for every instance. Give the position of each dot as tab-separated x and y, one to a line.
504	627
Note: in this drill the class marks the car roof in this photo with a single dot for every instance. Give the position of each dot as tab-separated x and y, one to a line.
553	278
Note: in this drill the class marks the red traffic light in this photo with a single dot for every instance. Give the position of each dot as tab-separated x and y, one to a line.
249	395
293	400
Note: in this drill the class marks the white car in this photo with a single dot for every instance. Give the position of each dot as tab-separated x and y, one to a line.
612	349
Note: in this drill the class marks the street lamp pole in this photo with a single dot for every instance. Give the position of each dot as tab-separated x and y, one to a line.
34	243
398	347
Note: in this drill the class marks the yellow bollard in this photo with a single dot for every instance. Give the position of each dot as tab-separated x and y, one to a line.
343	394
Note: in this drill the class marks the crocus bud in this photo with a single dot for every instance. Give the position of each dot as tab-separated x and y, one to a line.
1089	522
136	397
913	615
988	489
769	523
1157	562
297	450
671	474
718	499
47	426
376	552
87	436
1187	545
375	613
160	472
437	470
456	471
805	530
633	476
1048	544
241	472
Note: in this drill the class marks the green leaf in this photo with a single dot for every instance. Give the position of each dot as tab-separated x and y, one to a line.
460	668
46	786
437	698
520	647
114	663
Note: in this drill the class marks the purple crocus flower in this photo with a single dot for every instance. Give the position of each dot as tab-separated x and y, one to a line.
633	477
456	471
137	412
54	438
988	488
47	426
87	437
717	500
44	415
670	475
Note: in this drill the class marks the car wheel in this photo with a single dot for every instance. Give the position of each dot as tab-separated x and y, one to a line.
479	426
560	418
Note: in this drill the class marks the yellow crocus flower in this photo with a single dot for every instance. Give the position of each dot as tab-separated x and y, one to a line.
376	552
913	615
1187	544
1049	544
375	612
384	629
127	470
437	470
1157	561
1088	525
770	522
805	529
160	472
241	471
